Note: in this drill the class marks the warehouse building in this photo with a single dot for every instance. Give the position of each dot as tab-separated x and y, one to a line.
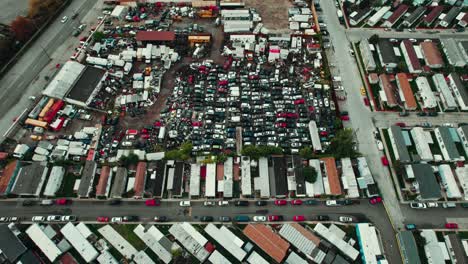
408	247
426	94
30	179
271	243
87	179
304	240
431	54
411	58
396	15
336	237
446	97
366	55
388	91
43	242
414	17
429	188
387	55
79	242
406	93
447	145
398	144
463	134
55	181
228	240
453	52
369	243
459	90
421	140
448	181
331	182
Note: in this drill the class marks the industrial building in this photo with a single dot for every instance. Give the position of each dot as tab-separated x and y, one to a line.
444	136
155	37
431	53
388	91
426	94
399	144
366	55
411	58
446	96
459	90
30	179
406	93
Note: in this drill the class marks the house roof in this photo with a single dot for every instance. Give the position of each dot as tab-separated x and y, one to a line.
102	184
406	89
120	182
386	51
332	175
435	12
429	188
140	178
5	179
431	53
417	13
10	245
388	88
462	90
267	240
400	11
408	248
30	179
87	178
450	146
155	36
412	56
400	144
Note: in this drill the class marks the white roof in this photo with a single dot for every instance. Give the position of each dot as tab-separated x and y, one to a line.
434	250
227	188
107	258
303	243
316	188
117	241
37	235
331	237
195	179
368	242
189	242
448	181
314	136
443	88
255	258
142	258
194	233
118	11
364	170
151	238
210	183
294	258
79	242
420	142
426	92
224	237
349	179
462	175
217	258
64	80
246	181
155	156
263	179
55	181
84	230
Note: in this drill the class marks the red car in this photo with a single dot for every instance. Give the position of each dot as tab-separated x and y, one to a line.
384	160
400	124
375	200
62	201
296	202
451	225
366	101
103	219
344	118
299	218
274	218
152	202
281	202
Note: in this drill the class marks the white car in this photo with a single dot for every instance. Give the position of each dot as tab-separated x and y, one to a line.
209	203
117	219
432	204
106	12
379	144
223	203
54	218
185	203
38	218
331	203
345	219
418	205
259	218
64	19
68	218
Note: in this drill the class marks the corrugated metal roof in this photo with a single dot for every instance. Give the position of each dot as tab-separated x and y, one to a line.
388	89
155	36
267	240
332	176
435	12
432	55
103	178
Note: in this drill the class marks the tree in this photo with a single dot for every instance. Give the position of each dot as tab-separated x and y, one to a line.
310	174
251	151
255	152
342	145
374	39
306	153
398	167
221	158
183	153
98	36
23	28
131	159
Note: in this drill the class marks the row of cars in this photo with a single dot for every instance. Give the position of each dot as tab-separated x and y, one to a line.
54	218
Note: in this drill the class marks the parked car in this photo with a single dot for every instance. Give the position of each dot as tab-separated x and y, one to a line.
117	219
223	203
451	225
296	202
152	202
63	201
38	218
332	203
298	218
418	205
206	219
161	219
400	124
281	202
64	19
241	218
54	218
241	203
68	218
47	202
274	218
375	200
410	226
449	205
224	219
185	203
432	204
323	217
345	219
115	202
384	160
130	218
28	203
103	219
311	202
209	203
259	218
260	203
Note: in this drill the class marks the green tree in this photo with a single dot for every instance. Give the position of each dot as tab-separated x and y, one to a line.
306	153
398	167
342	145
183	153
310	174
131	159
251	151
221	158
98	36
374	39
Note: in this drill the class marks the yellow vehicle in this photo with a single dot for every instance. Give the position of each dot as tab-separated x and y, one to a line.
36	137
363	91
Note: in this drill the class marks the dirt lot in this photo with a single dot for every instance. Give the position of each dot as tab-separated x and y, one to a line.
274	13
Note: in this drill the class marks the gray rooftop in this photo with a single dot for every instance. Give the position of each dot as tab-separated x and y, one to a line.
448	142
462	90
457	247
408	248
87	178
10	245
120	182
30	179
400	144
429	188
386	51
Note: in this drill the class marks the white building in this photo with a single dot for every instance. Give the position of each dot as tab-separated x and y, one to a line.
227	240
79	242
462	175
117	241
314	136
210	183
316	188
43	242
366	55
119	12
349	179
421	140
335	236
436	252
375	18
463	134
151	238
459	90
55	181
191	239
227	182
427	95
303	240
446	96
194	179
369	243
448	181
246	181
262	183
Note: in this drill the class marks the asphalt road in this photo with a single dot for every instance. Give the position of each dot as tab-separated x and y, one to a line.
386	119
15	85
90	210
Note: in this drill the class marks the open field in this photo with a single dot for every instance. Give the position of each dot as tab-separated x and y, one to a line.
274	13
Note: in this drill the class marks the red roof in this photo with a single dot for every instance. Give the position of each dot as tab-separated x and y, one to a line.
431	54
267	240
155	36
388	89
332	175
436	11
397	13
220	171
410	102
102	184
140	179
6	176
413	58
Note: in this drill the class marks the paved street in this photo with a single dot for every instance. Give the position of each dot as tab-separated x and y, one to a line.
386	119
356	34
26	77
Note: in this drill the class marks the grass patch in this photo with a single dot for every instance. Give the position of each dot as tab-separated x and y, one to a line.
127	232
